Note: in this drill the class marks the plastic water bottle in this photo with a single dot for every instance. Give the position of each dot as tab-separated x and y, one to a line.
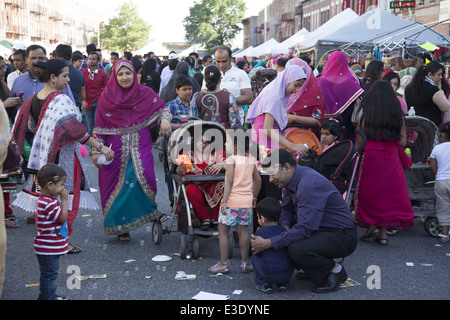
408	152
411	112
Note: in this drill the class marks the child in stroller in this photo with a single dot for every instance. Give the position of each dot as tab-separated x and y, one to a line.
204	196
331	132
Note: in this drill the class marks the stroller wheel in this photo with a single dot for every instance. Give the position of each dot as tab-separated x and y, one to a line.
195	248
432	227
183	247
157	232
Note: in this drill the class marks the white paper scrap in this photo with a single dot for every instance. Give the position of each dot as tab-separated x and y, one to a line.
129	260
202	295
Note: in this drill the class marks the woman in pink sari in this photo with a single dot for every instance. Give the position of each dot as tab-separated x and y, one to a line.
126	112
307	105
381	196
340	88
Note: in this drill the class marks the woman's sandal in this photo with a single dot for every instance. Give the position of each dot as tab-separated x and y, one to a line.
382	241
74	249
11	224
162	218
444	238
124	237
372	234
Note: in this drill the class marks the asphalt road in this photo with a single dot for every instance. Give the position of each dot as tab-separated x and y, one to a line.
414	266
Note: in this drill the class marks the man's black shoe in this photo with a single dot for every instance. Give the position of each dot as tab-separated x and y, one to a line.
332	282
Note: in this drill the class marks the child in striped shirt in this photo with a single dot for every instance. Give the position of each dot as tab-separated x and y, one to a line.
51	240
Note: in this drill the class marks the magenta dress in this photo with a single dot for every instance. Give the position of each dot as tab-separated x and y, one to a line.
381	196
128	185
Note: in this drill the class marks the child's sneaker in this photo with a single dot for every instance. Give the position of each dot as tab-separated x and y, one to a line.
265	288
246	267
220	267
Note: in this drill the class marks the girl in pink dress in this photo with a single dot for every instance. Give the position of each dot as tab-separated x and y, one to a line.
381	196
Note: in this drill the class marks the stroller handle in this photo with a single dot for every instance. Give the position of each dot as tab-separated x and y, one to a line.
185	118
301	126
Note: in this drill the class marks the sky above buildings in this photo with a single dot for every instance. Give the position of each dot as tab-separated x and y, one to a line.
165	17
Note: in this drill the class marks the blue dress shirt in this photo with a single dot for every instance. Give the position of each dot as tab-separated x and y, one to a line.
310	203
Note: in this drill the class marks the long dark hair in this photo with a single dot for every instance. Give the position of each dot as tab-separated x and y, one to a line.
373	70
212	77
4	91
53	66
419	78
382	116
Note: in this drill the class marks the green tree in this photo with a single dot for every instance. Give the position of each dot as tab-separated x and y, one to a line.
126	31
212	23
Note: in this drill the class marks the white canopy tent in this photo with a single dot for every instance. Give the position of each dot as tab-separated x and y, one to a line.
243	53
287	44
327	28
378	27
155	47
374	28
263	48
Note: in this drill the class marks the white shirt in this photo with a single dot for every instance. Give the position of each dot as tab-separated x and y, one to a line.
166	74
11	77
441	153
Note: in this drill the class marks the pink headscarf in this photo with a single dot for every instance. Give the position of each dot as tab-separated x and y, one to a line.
308	101
122	108
338	84
273	98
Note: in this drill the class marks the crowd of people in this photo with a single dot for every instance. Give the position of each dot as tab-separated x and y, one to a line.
53	107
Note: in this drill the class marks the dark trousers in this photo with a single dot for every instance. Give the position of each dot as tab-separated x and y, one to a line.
315	255
49	266
262	278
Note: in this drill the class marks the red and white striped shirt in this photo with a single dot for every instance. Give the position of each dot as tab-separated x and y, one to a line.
47	241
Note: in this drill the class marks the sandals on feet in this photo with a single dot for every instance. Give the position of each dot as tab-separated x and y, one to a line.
11	224
370	234
220	267
382	241
74	249
444	238
246	267
163	217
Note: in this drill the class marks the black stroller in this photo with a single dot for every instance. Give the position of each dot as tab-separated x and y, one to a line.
422	136
338	164
182	210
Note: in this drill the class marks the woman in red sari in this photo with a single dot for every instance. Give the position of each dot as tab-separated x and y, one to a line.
381	196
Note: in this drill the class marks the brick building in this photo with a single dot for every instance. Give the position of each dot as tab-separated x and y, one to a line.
47	22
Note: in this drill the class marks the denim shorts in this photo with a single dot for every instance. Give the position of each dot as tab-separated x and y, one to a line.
233	216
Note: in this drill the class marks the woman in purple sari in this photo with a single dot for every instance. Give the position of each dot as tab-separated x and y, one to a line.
340	88
126	112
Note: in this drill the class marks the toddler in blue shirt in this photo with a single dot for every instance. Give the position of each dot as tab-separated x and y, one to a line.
271	265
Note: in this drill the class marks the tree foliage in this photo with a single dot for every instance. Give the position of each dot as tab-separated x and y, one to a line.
126	31
212	23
